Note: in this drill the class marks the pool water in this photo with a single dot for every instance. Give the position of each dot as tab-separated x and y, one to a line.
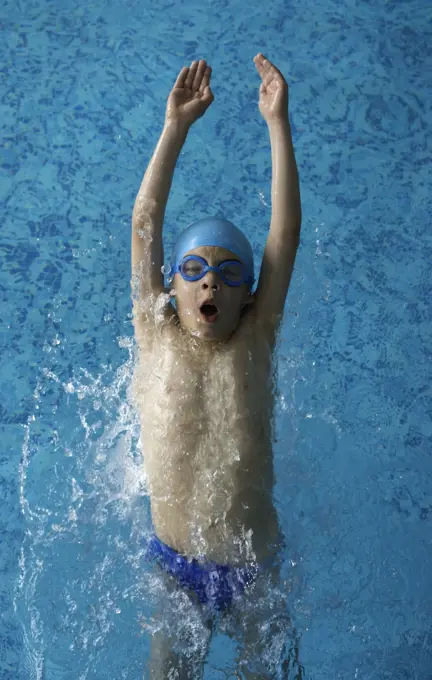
82	101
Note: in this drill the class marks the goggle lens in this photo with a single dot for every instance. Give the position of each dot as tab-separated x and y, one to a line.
192	269
231	272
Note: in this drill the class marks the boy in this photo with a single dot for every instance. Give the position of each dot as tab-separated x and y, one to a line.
204	386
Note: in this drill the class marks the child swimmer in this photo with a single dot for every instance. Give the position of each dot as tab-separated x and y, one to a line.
204	384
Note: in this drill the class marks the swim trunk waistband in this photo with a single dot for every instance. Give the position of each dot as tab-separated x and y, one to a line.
215	584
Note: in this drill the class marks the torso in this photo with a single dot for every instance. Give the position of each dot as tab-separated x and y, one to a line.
206	433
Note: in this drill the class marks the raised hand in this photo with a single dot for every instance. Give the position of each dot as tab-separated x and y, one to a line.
273	93
191	95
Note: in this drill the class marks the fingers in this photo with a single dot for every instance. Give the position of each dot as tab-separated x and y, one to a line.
195	78
266	69
262	63
206	79
198	76
192	71
181	78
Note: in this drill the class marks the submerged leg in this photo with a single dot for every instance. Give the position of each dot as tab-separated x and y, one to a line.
168	662
180	637
267	643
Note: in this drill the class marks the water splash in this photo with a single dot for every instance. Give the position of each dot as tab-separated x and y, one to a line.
84	501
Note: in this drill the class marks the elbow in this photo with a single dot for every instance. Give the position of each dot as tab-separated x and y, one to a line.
144	206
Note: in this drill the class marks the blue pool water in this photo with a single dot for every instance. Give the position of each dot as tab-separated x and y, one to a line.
82	99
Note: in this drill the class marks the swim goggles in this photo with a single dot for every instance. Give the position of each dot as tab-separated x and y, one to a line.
232	272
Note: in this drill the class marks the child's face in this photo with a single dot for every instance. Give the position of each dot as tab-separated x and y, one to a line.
229	300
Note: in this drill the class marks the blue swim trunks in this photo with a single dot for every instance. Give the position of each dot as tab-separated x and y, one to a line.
215	584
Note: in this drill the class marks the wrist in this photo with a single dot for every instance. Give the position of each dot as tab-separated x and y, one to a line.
176	127
279	124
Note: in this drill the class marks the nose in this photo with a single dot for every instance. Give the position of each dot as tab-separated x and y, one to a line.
210	280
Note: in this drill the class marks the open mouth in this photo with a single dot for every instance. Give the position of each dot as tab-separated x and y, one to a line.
209	312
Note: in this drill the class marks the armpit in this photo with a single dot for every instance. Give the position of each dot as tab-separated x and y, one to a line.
151	316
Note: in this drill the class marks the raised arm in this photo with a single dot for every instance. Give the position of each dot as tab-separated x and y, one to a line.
188	100
284	234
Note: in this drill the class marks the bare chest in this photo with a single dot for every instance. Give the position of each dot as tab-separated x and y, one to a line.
206	410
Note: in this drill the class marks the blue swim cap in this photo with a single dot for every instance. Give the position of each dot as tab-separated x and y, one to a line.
214	231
